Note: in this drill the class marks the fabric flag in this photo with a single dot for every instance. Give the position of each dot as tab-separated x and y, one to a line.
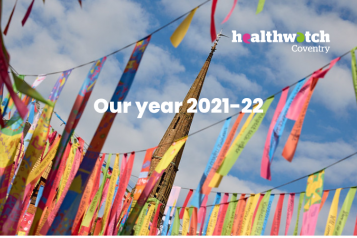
238	216
185	221
155	176
26	89
86	199
64	220
249	214
228	221
301	199
230	12
108	203
205	189
266	160
5	79
291	143
217	199
143	176
239	144
332	215
153	230
221	215
94	205
267	213
202	208
123	184
145	226
345	210
203	216
277	216
176	224
261	211
290	211
141	218
298	102
256	210
165	226
282	119
29	9
10	138
198	196
9	21
213	27
213	220
174	194
73	119
37	144
354	70
189	194
355	230
314	189
193	224
181	30
323	200
72	165
260	6
248	207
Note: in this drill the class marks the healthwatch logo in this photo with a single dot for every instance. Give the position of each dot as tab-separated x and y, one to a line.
275	37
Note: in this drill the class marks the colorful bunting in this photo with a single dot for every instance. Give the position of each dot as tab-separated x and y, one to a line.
313	196
291	144
301	200
63	223
354	70
259	220
266	159
181	30
198	197
217	199
238	216
277	216
159	170
205	189
185	221
240	142
332	216
145	227
153	230
267	213
345	211
324	197
176	226
189	194
290	211
143	176
193	224
228	221
221	215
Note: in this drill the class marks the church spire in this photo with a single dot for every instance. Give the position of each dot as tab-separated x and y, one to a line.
178	128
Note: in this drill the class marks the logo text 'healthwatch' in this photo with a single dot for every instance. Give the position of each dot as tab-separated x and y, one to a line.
275	37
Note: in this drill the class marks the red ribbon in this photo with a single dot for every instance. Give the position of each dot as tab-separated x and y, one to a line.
213	27
27	13
8	22
185	203
277	216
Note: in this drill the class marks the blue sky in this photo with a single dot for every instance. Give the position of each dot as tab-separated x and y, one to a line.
60	35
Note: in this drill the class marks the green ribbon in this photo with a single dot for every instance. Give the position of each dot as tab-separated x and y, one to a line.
260	6
301	199
176	225
228	221
354	69
26	89
345	210
260	216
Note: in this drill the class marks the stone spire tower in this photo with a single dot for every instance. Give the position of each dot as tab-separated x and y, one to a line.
179	127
